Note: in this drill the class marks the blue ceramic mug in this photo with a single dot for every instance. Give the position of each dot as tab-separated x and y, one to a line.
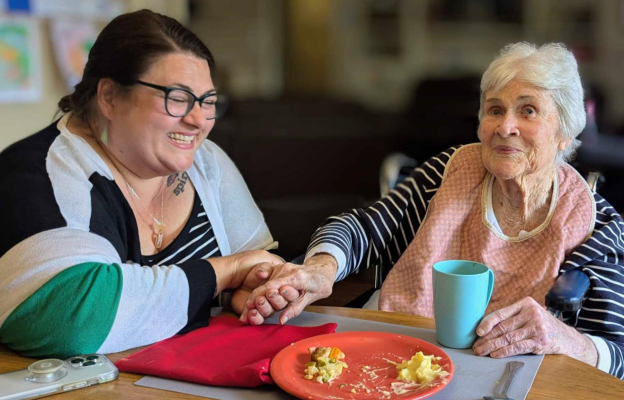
461	293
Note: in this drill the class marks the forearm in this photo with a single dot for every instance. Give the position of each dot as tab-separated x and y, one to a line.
339	239
355	239
119	306
383	231
225	268
582	348
570	342
327	263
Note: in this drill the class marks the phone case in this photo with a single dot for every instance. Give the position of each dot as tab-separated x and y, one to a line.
52	376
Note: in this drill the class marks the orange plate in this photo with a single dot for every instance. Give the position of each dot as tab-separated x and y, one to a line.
361	349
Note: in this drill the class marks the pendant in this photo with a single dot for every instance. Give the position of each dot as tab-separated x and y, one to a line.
159	239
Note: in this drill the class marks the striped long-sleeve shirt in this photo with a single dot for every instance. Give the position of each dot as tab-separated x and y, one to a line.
379	234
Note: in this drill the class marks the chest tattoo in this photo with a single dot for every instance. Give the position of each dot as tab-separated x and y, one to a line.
172	178
182	181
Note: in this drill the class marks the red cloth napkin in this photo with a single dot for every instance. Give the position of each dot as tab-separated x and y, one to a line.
225	353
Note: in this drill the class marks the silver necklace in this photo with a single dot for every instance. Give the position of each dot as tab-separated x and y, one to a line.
160	224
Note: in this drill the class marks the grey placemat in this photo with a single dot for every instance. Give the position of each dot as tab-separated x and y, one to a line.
474	376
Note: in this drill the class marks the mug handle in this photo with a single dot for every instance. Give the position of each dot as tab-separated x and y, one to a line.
490	286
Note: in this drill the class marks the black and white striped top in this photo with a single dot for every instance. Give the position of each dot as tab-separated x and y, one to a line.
379	234
196	241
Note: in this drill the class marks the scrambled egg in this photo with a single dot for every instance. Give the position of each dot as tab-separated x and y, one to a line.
420	369
325	364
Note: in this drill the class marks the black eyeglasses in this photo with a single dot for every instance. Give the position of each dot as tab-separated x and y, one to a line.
179	102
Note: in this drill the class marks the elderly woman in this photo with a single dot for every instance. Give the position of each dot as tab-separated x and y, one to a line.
510	202
121	222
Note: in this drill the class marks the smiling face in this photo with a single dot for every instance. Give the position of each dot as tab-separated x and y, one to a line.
143	136
519	131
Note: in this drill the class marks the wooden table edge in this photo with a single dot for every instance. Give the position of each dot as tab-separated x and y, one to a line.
582	382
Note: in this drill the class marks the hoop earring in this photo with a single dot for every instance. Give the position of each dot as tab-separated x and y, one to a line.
104	135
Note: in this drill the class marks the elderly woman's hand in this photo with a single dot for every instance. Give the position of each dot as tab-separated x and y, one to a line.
526	327
291	287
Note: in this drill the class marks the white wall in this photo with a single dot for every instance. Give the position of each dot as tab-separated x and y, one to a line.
23	119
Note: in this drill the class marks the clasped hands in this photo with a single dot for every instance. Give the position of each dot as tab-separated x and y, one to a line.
286	286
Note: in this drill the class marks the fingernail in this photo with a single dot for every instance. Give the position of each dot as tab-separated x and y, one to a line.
284	292
284	320
253	313
480	331
261	270
272	294
261	302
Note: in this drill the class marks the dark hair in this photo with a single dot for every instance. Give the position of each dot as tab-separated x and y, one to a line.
124	50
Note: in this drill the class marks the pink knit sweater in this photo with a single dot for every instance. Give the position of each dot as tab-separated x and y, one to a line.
456	228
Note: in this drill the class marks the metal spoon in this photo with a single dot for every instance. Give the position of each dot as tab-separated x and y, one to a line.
514	368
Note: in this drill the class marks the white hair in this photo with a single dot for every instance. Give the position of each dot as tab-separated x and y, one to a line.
550	67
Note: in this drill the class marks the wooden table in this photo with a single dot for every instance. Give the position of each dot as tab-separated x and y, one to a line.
559	377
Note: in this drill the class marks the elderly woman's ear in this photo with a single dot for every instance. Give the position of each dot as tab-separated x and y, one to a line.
564	143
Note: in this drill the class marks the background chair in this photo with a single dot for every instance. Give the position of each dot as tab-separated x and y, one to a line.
600	159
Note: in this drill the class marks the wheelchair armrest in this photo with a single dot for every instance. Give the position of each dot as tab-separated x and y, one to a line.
568	291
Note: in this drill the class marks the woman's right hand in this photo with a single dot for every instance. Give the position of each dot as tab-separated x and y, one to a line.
232	270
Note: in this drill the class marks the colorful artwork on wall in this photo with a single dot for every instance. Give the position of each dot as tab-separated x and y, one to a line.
72	41
20	68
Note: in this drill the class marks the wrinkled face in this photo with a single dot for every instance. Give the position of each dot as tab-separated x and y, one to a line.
519	131
144	136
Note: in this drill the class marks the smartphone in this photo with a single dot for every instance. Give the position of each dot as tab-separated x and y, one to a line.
52	376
